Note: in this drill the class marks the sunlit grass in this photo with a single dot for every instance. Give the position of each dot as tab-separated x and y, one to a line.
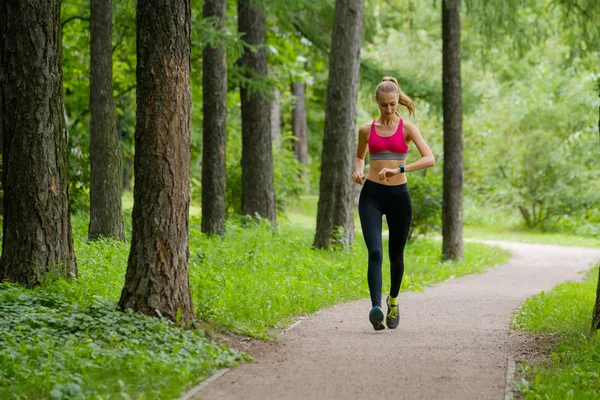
572	368
67	340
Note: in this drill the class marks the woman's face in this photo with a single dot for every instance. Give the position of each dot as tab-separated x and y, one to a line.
388	103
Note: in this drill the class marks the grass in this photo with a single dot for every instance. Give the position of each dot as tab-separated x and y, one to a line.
520	235
572	370
56	343
505	224
65	340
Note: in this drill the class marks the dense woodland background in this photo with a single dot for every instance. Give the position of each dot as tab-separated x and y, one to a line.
529	96
243	108
241	111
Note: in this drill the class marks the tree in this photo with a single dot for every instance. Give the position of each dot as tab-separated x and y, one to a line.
214	132
276	119
452	221
106	165
299	124
37	237
596	314
157	279
258	187
335	223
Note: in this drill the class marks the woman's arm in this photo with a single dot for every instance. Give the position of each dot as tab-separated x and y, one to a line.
358	175
427	160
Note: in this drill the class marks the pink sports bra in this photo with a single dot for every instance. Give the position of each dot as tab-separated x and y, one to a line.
392	147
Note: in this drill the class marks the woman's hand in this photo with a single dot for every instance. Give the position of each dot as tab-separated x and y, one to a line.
358	177
386	173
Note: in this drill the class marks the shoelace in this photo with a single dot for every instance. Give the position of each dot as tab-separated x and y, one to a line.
393	312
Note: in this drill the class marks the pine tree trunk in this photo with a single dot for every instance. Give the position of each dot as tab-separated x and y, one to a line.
37	237
452	219
299	125
127	173
276	120
214	134
335	222
596	315
106	164
157	279
258	187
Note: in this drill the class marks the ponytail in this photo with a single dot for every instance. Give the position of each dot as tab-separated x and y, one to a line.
389	84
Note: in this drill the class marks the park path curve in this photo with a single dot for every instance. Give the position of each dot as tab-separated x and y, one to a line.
453	341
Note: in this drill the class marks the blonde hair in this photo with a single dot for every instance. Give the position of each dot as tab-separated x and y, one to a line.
389	84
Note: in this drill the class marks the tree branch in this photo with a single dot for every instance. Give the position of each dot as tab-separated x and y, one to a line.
87	110
74	17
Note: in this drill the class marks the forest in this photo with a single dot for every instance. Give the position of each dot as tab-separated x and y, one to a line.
178	172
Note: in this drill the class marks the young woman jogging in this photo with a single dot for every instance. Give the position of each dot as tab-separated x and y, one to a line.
385	192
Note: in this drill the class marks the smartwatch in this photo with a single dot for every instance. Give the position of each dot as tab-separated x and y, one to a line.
401	168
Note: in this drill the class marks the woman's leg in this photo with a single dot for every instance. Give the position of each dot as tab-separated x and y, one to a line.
370	220
398	215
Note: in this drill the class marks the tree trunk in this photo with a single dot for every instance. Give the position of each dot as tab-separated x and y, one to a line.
299	125
596	315
335	222
106	164
276	119
37	237
157	279
452	219
214	133
1	163
258	187
127	173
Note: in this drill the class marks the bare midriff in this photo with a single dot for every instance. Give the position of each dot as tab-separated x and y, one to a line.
378	165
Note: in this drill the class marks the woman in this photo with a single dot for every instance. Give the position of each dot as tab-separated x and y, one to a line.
385	191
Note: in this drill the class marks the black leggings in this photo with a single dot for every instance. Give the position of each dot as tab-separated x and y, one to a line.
393	201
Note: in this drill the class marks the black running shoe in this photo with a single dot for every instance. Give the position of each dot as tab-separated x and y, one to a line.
392	319
376	318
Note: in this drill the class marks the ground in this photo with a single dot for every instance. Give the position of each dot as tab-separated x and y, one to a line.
454	340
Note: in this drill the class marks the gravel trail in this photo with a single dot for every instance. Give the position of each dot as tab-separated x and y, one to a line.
453	341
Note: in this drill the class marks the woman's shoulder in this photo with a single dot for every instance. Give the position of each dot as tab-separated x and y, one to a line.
365	128
408	126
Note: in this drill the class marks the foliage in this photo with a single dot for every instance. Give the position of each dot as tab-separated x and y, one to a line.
545	155
57	342
571	370
426	195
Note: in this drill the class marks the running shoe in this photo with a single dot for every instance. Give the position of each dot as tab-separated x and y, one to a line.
376	318
392	319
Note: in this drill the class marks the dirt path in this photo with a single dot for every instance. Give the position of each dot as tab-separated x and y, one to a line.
453	341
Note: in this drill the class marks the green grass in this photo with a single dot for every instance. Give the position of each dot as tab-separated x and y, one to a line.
572	370
506	224
520	235
56	343
65	340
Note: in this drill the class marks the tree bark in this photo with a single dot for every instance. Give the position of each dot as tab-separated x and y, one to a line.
335	222
299	125
157	279
596	315
127	173
452	218
37	237
214	134
258	187
276	119
106	162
